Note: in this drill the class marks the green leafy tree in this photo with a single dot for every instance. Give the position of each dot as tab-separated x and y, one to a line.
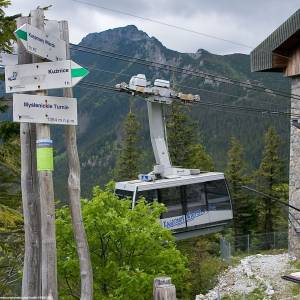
185	151
127	165
12	245
11	219
9	145
128	249
7	27
204	262
268	178
10	166
244	210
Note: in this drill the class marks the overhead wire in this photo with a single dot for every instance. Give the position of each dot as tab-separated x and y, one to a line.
173	26
183	86
286	206
163	23
226	110
179	85
171	68
270	197
205	103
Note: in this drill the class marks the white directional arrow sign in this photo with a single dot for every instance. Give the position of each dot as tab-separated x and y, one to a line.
7	59
40	43
44	109
43	76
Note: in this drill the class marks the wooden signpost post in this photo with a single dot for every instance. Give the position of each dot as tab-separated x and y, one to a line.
31	280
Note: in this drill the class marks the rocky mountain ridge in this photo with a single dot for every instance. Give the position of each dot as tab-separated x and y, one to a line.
101	112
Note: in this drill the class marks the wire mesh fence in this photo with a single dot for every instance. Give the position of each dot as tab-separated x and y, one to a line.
11	264
252	243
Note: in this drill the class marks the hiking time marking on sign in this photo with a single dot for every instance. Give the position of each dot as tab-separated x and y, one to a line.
40	43
44	109
43	76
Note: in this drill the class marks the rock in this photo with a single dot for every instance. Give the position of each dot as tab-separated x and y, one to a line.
255	271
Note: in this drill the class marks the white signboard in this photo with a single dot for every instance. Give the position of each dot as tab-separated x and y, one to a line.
40	43
44	109
7	59
43	76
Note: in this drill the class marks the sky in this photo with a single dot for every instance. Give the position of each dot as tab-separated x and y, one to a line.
240	21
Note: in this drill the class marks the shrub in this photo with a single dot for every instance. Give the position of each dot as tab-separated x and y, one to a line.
128	249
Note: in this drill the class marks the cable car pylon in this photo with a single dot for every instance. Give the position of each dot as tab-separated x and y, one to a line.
198	202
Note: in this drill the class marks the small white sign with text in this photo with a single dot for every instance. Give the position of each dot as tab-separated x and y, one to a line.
44	109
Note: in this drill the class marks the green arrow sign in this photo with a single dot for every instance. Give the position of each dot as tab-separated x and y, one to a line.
21	34
38	42
43	76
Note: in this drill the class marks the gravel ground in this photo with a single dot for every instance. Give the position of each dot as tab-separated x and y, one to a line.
255	271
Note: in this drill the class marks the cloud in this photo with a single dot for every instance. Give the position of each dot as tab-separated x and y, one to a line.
246	22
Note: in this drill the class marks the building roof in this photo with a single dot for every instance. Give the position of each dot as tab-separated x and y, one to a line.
272	54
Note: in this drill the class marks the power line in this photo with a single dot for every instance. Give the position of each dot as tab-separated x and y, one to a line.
241	112
172	26
270	197
164	23
214	104
204	75
179	85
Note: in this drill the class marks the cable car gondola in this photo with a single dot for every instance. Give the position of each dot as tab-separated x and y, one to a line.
197	202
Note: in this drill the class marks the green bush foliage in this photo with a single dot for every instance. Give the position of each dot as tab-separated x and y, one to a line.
128	249
204	262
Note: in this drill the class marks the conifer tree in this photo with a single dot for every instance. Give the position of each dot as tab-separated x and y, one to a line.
268	177
200	159
185	151
181	136
127	165
243	206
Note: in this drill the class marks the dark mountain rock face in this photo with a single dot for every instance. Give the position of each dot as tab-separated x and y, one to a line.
101	112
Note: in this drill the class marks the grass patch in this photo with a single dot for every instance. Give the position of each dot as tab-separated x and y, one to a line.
295	290
256	294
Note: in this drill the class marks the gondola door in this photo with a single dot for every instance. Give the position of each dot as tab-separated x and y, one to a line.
171	197
195	203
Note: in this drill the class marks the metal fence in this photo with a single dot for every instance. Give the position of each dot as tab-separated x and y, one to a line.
11	264
252	243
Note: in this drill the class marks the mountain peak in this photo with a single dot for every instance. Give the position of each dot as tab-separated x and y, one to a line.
130	32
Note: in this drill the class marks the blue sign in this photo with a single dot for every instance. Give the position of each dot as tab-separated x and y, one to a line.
174	222
192	215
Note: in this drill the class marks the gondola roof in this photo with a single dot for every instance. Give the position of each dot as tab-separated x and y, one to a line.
170	182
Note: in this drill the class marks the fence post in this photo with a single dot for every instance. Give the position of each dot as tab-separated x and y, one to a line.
248	243
163	289
274	239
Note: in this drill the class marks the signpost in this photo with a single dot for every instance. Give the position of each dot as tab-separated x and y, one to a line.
7	59
44	109
40	261
43	76
39	43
